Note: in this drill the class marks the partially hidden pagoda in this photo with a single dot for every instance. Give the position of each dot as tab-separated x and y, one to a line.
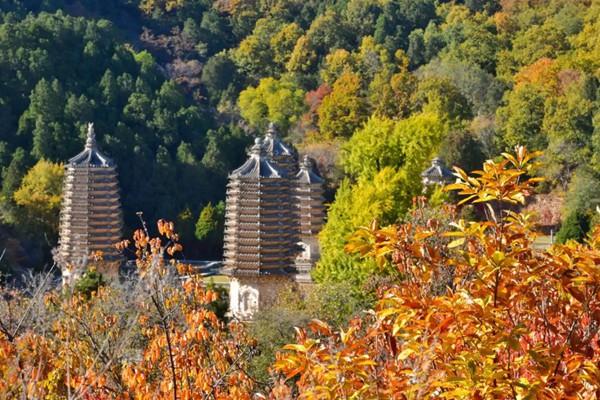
274	209
90	216
282	155
308	198
437	174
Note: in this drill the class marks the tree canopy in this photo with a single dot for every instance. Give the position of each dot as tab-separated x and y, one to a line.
178	88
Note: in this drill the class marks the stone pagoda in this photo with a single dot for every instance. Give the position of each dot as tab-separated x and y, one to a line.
260	233
308	198
437	174
90	217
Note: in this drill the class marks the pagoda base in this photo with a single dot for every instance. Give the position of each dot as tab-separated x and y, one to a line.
253	293
302	271
108	269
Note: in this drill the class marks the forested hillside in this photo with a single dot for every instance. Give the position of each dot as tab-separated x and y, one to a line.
371	88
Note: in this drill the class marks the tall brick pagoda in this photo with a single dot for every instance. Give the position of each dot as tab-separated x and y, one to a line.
260	233
90	217
274	211
308	198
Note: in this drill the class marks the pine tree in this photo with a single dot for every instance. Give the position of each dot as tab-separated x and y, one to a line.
11	180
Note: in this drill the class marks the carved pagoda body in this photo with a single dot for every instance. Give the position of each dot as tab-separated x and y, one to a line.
308	198
90	217
271	222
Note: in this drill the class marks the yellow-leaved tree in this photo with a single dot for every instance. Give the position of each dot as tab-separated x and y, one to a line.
40	194
479	313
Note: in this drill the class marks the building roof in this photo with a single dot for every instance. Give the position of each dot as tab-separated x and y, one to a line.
273	144
308	173
91	156
437	172
258	164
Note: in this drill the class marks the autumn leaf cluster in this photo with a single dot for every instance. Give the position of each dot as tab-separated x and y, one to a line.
475	312
511	323
155	338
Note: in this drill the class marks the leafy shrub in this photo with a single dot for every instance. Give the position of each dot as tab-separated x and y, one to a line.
574	227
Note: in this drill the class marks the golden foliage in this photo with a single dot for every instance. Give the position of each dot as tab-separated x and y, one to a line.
510	322
478	314
150	7
161	342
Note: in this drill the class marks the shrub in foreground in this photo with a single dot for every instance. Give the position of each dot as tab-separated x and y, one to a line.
512	322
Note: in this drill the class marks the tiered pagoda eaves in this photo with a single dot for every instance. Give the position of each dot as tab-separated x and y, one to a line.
283	156
308	200
259	228
273	212
90	217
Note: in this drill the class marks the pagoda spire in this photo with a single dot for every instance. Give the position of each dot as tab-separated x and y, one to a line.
281	154
90	143
271	130
90	216
258	149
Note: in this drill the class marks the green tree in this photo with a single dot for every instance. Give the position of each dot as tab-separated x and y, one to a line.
468	37
90	281
254	54
382	198
386	159
329	31
336	64
109	88
219	75
583	194
482	90
540	40
575	227
279	101
399	19
568	125
442	97
371	148
185	225
391	89
11	180
409	143
210	226
303	56
344	109
284	42
520	120
44	120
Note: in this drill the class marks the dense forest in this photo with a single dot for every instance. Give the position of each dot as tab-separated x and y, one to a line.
420	292
371	89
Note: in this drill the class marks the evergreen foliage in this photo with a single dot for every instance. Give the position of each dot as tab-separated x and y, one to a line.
177	89
210	226
574	227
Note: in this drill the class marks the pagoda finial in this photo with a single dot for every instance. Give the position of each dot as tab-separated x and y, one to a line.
90	143
271	130
307	163
257	149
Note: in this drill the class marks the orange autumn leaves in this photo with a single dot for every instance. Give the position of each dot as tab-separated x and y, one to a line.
157	338
477	314
511	323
